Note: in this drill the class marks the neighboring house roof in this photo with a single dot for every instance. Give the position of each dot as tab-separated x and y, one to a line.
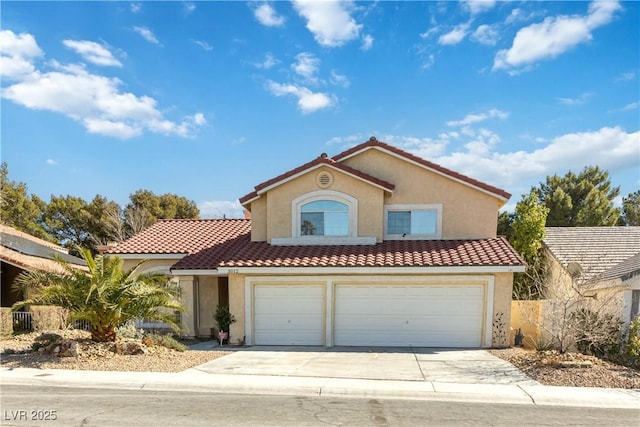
597	250
28	252
624	270
374	143
323	160
183	236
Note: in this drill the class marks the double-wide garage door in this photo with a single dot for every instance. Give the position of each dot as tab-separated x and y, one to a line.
370	315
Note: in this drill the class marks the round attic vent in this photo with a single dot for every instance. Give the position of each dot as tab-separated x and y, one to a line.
324	179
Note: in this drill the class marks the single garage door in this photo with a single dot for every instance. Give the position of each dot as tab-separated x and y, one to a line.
288	315
409	315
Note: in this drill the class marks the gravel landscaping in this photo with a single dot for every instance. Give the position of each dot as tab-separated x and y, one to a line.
99	356
570	369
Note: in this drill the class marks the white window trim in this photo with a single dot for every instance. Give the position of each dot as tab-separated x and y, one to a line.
437	207
351	238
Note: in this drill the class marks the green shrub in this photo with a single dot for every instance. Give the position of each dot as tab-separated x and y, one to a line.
632	346
129	330
166	341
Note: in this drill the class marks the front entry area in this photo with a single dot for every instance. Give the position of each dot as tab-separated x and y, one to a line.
452	312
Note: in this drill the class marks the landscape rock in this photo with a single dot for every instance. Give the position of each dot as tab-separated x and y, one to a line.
129	348
64	349
50	337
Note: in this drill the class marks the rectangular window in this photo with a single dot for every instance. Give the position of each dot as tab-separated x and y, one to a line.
635	304
413	221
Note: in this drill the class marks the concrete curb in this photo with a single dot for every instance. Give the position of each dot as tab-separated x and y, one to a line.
195	381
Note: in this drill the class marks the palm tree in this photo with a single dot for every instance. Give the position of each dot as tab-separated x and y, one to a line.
106	295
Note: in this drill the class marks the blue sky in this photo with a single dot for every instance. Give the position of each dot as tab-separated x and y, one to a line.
208	99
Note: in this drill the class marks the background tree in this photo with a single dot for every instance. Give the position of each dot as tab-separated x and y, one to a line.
18	209
70	221
581	200
106	296
505	222
631	209
528	231
146	208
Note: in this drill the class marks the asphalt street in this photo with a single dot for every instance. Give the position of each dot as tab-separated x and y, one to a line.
28	406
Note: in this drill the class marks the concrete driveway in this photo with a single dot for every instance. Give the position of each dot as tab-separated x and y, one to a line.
403	364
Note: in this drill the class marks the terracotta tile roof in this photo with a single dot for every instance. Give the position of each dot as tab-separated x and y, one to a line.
595	249
313	164
395	253
209	244
183	236
374	143
30	262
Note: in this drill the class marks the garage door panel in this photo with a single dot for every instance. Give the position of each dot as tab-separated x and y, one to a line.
402	315
288	314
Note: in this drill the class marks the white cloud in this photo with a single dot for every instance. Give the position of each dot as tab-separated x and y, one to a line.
268	62
51	162
518	15
267	16
367	42
221	209
203	44
92	52
479	117
609	147
479	6
339	79
189	7
626	77
306	65
135	7
147	34
431	31
17	53
630	107
554	36
454	36
486	34
329	21
576	101
95	101
308	101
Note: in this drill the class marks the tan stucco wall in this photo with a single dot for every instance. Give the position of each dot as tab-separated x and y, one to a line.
236	306
150	263
526	316
502	291
467	213
207	301
259	219
370	199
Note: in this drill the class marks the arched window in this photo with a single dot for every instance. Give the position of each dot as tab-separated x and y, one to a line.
324	218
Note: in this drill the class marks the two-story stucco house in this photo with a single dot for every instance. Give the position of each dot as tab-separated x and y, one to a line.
373	247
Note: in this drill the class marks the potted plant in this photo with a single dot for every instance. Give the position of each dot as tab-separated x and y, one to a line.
224	318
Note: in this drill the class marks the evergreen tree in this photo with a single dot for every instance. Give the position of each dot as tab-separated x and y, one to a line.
631	209
581	200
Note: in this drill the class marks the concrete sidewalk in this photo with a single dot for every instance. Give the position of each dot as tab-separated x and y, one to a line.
196	380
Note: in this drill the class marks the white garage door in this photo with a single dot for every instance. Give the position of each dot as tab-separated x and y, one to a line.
418	316
288	315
